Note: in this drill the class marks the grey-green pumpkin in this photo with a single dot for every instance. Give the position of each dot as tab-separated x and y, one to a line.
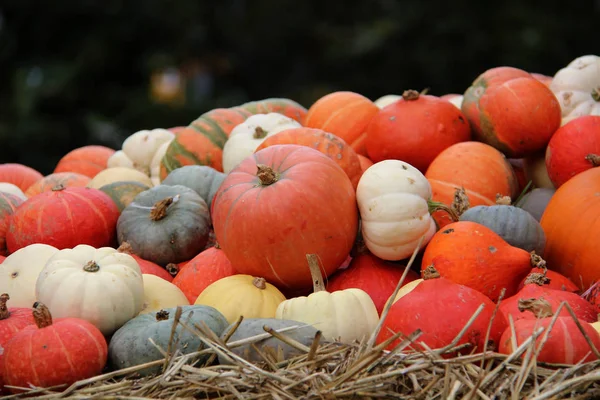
131	344
535	202
165	224
201	178
250	327
515	225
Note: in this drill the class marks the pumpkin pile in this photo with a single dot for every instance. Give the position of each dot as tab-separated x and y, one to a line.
471	219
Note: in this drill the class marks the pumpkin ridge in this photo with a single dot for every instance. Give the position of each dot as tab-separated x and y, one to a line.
69	218
64	350
33	369
40	218
338	111
94	210
179	149
218	138
98	346
490	135
469	192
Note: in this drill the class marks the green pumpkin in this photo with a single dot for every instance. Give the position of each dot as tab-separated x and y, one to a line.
130	345
515	225
254	326
535	202
123	192
201	178
165	224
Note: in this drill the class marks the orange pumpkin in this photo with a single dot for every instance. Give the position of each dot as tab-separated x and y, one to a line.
19	175
86	160
365	162
477	167
345	114
284	106
65	179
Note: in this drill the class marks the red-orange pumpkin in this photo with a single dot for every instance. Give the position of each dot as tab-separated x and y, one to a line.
86	160
512	111
287	107
554	281
66	179
147	267
415	129
365	162
280	204
8	205
19	175
593	296
345	114
64	218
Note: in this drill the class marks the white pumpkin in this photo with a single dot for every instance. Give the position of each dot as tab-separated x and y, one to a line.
160	294
247	136
102	286
392	199
387	100
577	88
456	100
20	270
117	174
156	161
139	149
13	189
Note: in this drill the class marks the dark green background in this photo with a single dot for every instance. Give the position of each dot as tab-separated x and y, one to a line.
78	72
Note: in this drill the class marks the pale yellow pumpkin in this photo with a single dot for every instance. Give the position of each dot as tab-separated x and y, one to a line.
536	172
242	295
156	162
10	188
161	294
404	290
596	326
139	149
117	174
387	100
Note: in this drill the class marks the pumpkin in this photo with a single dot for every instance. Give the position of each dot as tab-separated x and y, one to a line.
122	193
156	161
512	111
535	170
201	143
87	160
53	352
19	175
166	224
147	267
536	201
574	148
330	145
8	205
571	224
101	285
345	114
207	267
65	179
20	270
577	87
545	79
10	188
64	218
454	98
272	346
159	294
283	106
139	148
473	255
404	290
135	342
551	280
386	100
201	178
415	130
564	344
118	174
482	171
365	162
345	315
248	135
282	203
440	308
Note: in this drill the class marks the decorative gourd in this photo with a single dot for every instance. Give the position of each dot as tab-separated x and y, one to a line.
516	226
310	190
64	218
570	222
574	148
160	294
135	342
247	136
65	179
19	175
536	201
86	160
440	308
565	344
53	352
394	202
166	224
473	255
415	130
283	106
512	111
279	350
345	315
102	286
552	280
156	161
201	143
345	114
139	149
204	269
536	171
577	87
20	270
119	174
386	100
482	171
13	189
147	267
202	179
122	193
242	295
8	205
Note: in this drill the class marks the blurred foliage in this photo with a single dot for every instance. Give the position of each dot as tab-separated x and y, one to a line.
79	72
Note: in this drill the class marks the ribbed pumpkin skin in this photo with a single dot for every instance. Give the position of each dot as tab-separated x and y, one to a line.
203	179
63	219
130	344
86	160
66	179
516	226
178	236
123	192
201	143
19	175
8	205
287	107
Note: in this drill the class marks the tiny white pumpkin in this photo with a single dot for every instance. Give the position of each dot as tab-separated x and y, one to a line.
156	161
247	136
139	149
387	100
13	189
102	286
161	294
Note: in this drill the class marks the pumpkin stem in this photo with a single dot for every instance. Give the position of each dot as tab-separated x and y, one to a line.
172	269
437	206
430	273
58	187
159	211
266	175
41	315
259	133
594	159
503	200
537	278
461	203
260	283
126	248
539	307
537	261
162	315
4	314
410	95
91	266
315	272
596	94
